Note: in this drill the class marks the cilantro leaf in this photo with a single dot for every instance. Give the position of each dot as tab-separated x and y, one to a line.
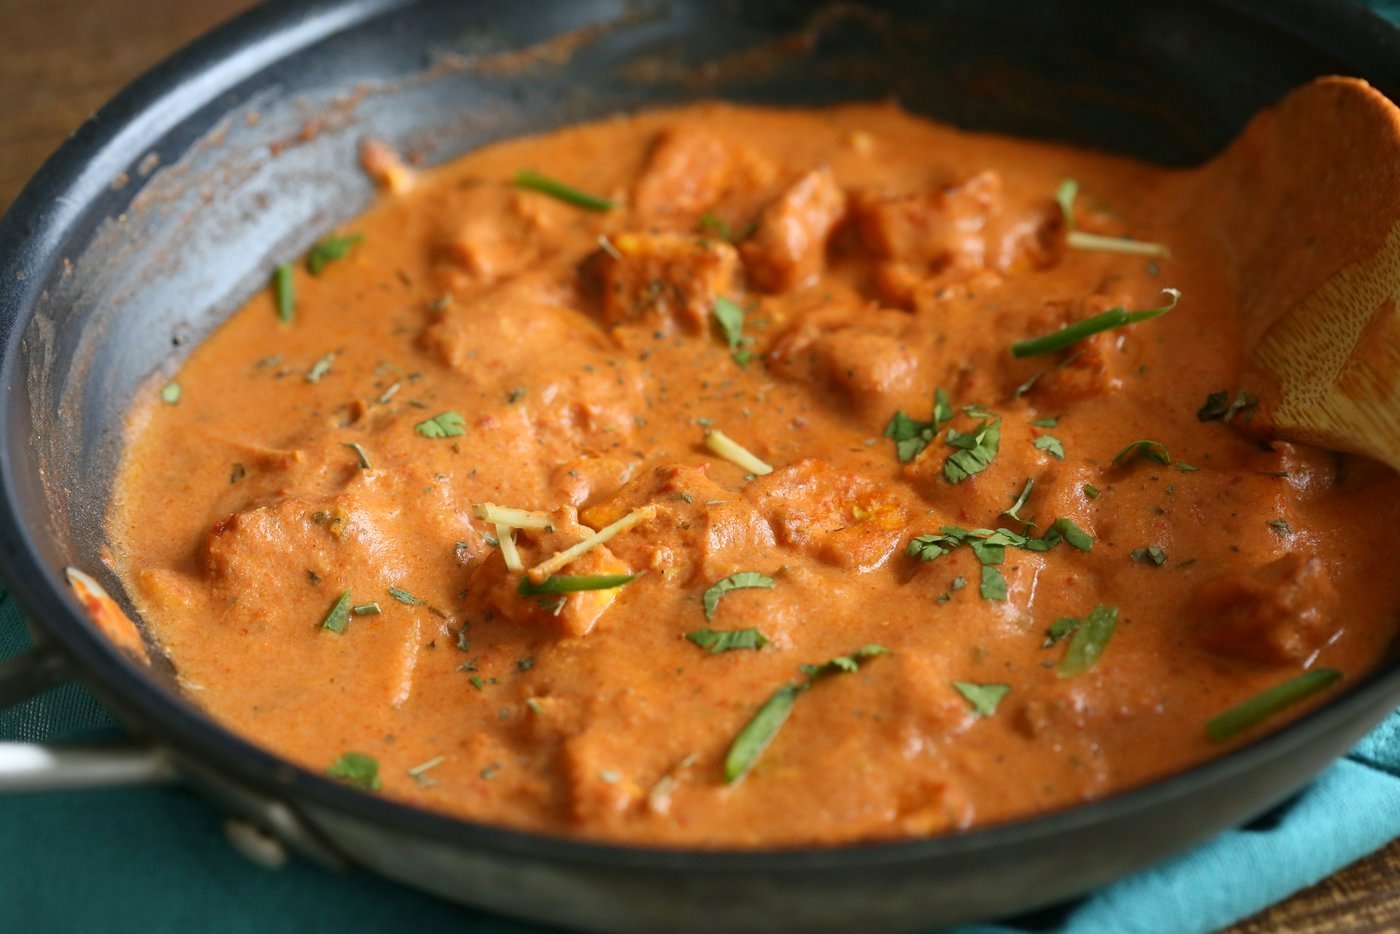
993	584
1090	639
1050	445
928	547
334	247
1218	406
403	596
337	619
356	768
911	436
758	733
1021	501
726	641
983	698
975	450
1059	629
731	321
743	580
446	425
362	458
1153	450
1073	534
1154	554
1281	526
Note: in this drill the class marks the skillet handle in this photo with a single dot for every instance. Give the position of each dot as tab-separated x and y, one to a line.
39	767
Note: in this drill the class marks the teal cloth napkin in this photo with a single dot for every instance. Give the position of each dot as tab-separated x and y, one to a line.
147	861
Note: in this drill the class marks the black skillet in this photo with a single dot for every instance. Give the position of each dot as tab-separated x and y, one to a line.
168	208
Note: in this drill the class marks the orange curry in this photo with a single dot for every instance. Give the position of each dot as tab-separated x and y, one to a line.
672	480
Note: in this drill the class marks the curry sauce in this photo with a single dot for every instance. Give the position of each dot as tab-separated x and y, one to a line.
875	576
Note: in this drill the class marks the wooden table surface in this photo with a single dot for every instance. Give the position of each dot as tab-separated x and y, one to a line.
61	59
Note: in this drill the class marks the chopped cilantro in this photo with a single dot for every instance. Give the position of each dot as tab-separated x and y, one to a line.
725	641
359	453
741	581
338	617
1050	445
1045	422
1153	554
1091	491
1153	450
446	425
356	768
334	247
758	733
983	698
975	450
1281	526
1059	629
1218	406
1021	501
993	584
1090	639
911	436
1073	534
928	547
730	318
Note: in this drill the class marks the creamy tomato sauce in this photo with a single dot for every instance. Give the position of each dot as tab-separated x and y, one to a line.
489	343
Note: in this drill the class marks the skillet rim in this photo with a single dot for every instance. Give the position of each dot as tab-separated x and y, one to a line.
49	210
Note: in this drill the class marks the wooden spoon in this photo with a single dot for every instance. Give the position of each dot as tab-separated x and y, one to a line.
1309	205
1334	361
